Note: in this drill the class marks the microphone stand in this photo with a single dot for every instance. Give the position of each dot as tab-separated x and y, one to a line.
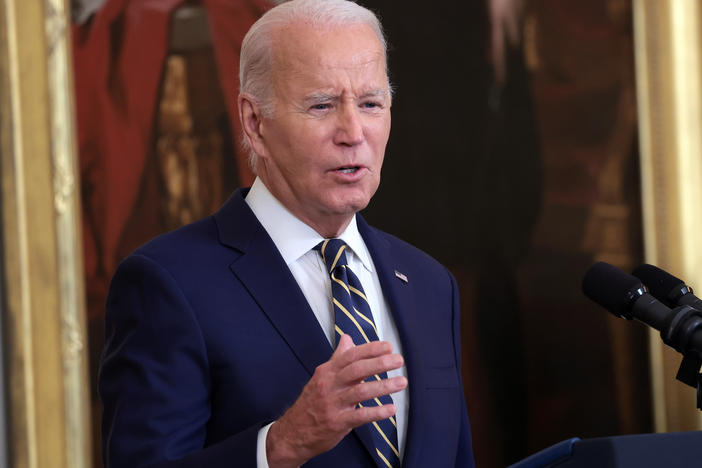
679	334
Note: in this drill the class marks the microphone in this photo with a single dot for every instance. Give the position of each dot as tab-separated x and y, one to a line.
625	296
681	328
667	288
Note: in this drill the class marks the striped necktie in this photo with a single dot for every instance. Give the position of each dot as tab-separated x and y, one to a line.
352	316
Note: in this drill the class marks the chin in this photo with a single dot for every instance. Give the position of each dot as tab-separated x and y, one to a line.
347	206
353	208
348	200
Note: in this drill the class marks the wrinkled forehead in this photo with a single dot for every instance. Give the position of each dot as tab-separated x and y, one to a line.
303	49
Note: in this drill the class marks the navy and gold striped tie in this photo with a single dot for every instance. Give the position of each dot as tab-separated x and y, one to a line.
352	316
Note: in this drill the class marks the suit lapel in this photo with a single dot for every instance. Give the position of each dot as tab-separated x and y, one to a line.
399	292
261	269
268	279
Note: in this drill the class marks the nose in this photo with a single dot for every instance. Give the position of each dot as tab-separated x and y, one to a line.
350	129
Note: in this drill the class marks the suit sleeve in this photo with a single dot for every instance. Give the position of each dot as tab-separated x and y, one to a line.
154	378
464	455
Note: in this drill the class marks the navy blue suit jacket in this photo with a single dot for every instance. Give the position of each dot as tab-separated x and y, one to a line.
209	338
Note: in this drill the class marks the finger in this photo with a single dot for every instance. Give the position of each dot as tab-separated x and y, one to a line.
345	343
364	415
362	351
364	368
343	347
371	390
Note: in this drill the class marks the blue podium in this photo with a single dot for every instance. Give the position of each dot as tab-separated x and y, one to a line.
669	450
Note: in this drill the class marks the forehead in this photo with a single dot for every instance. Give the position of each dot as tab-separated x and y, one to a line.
303	53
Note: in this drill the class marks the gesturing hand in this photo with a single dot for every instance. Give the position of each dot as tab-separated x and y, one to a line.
326	409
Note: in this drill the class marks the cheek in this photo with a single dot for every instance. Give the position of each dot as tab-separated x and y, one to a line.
378	148
308	144
380	132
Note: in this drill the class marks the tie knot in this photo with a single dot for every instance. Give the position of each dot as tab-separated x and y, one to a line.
333	253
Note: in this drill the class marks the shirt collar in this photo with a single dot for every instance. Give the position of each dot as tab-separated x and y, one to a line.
291	236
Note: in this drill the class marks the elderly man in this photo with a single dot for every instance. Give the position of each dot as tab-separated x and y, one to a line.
273	333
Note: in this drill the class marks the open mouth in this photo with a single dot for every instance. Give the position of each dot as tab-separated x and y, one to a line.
349	169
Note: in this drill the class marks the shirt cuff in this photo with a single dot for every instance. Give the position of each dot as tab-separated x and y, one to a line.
261	457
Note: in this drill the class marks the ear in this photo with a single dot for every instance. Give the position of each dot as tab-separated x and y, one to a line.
251	118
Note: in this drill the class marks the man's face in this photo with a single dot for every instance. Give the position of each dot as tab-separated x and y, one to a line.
324	145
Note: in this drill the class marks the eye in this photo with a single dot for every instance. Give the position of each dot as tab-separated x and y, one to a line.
321	106
372	105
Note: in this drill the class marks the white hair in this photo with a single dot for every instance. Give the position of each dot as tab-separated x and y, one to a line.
257	50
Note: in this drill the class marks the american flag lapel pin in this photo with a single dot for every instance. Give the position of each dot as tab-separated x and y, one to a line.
402	276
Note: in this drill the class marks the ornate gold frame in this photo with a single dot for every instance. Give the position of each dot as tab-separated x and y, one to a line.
43	306
43	277
669	91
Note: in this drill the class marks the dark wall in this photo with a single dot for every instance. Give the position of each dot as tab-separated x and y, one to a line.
505	182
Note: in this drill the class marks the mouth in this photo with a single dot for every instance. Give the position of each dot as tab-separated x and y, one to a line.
348	169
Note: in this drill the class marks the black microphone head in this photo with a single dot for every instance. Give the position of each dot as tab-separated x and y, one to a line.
612	288
664	286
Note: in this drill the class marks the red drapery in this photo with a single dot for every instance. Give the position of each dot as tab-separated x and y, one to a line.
119	58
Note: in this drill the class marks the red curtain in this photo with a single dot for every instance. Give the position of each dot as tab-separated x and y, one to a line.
119	57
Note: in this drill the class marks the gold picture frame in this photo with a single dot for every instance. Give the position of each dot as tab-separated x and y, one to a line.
43	288
667	38
43	300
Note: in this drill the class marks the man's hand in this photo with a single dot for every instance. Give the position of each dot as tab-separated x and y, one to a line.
326	409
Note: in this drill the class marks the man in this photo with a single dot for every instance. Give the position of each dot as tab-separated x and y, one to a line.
229	342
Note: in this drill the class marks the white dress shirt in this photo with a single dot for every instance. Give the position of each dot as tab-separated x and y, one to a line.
295	241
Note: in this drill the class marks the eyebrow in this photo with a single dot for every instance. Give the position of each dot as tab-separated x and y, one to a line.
380	92
319	97
323	97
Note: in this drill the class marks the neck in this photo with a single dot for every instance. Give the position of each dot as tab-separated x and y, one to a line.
329	230
326	225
